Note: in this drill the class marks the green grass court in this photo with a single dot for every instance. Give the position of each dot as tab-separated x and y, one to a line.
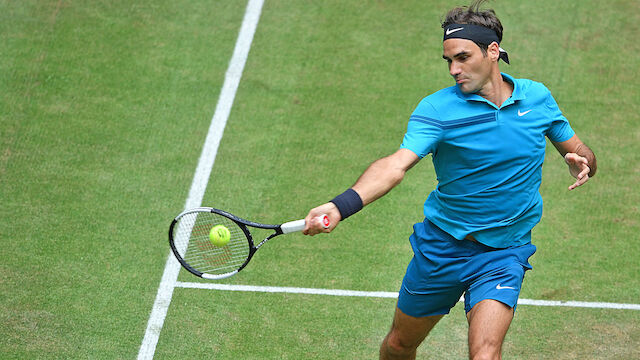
105	106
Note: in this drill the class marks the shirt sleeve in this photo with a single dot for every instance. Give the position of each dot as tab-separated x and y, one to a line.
423	131
560	130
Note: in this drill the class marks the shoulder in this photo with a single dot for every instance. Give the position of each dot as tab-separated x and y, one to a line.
537	92
535	87
531	88
432	104
447	94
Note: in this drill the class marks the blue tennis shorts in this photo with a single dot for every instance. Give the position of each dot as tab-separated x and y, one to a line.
443	268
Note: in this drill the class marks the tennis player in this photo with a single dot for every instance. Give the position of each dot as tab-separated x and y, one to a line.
486	135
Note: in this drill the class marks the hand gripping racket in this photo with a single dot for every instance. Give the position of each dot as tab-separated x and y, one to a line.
190	242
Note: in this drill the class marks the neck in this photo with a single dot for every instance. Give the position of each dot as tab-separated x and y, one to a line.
497	90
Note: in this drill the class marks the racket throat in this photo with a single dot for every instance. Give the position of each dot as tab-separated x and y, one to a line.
253	250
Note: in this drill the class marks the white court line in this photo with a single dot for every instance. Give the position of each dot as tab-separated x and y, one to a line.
385	294
203	171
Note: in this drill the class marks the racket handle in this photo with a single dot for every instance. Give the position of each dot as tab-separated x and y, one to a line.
298	225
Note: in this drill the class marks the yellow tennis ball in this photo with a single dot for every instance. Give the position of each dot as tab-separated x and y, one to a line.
219	235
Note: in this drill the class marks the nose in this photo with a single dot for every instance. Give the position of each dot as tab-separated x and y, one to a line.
454	69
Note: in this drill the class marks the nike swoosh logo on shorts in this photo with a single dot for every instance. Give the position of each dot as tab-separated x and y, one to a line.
450	31
504	287
523	113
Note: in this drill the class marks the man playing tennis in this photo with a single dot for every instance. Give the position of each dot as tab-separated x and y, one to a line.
487	138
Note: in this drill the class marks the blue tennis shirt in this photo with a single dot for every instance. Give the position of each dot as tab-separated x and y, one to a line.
488	159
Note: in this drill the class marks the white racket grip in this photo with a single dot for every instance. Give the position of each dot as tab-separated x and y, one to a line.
298	225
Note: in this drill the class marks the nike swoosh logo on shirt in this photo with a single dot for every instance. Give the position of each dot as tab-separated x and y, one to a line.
503	287
450	31
523	113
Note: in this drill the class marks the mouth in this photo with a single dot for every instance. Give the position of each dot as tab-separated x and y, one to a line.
459	80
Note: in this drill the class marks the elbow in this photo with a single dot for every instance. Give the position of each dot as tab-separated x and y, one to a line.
393	172
397	177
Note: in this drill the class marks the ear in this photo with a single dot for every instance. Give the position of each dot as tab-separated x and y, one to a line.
493	51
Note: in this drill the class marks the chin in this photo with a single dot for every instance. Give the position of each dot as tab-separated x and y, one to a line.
465	88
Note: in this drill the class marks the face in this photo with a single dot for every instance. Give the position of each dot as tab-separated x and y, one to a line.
470	68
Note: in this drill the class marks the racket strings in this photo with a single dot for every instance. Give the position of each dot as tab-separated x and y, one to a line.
191	237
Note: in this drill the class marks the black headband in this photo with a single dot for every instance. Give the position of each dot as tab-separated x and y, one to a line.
476	33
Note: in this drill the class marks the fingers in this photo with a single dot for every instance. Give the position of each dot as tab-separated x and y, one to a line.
313	220
575	159
585	172
581	180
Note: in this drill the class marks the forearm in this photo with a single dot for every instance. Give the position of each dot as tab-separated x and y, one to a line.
379	178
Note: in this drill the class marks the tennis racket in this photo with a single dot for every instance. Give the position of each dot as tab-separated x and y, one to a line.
190	242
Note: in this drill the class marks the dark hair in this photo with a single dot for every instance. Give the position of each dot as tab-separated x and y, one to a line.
472	14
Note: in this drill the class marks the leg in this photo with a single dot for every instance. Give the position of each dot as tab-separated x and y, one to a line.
406	334
492	296
489	321
430	288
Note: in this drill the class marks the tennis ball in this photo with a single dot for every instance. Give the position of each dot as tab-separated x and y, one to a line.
219	235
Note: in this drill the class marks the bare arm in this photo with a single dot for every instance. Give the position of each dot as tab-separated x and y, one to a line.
384	174
379	178
580	159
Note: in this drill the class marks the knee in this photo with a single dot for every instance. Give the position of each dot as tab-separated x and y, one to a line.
486	351
486	356
395	345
